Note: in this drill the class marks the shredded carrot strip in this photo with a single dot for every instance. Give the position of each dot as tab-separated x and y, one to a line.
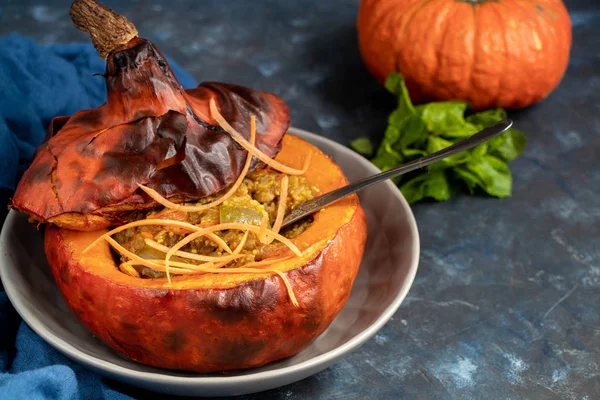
198	269
128	253
268	261
253	149
262	232
176	248
217	270
131	255
126	268
181	268
240	246
280	208
161	200
181	264
146	222
188	269
234	225
255	229
193	267
191	256
230	225
222	264
203	266
182	243
288	286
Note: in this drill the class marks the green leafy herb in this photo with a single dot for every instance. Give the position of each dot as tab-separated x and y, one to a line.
413	132
433	184
362	146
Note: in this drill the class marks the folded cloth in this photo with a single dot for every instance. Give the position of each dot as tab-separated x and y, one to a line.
38	83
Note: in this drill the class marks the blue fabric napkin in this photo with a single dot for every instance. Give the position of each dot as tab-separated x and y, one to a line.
38	83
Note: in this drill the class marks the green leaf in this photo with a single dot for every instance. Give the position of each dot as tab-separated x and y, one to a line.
480	150
489	173
413	153
488	117
461	131
436	143
428	185
363	146
471	179
391	135
404	126
387	157
397	119
440	117
508	145
395	85
413	133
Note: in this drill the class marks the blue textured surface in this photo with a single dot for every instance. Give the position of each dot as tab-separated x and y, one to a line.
505	304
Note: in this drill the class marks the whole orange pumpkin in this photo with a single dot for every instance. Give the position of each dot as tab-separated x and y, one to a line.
505	53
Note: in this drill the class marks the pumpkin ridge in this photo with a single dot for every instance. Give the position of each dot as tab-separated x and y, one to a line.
411	20
438	54
440	49
506	53
475	47
534	28
379	20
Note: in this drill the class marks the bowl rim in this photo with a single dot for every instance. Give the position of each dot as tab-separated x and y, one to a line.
303	368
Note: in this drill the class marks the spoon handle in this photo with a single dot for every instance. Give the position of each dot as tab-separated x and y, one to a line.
316	204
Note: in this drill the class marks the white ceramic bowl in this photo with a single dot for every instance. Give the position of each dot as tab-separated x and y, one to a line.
386	274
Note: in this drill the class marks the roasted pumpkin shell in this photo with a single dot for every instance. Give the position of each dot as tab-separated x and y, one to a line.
150	131
219	322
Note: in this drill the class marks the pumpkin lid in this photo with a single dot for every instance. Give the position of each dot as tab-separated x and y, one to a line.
151	131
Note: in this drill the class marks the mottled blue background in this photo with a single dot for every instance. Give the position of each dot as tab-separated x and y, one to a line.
505	303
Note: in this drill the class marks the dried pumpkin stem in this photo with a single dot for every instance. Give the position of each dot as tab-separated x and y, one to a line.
107	29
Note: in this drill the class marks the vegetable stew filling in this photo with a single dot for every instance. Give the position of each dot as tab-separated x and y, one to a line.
256	198
198	238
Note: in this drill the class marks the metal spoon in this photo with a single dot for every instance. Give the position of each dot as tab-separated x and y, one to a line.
310	207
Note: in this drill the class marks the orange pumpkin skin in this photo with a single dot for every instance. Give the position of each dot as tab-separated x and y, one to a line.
221	322
504	53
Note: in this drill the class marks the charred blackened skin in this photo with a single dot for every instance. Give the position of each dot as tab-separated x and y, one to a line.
150	131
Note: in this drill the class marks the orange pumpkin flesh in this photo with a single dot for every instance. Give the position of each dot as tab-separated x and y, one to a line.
219	322
505	53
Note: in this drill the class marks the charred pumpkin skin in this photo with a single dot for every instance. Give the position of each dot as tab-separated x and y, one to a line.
150	131
218	322
504	53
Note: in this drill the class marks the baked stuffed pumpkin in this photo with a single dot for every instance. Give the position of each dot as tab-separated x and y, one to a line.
163	213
